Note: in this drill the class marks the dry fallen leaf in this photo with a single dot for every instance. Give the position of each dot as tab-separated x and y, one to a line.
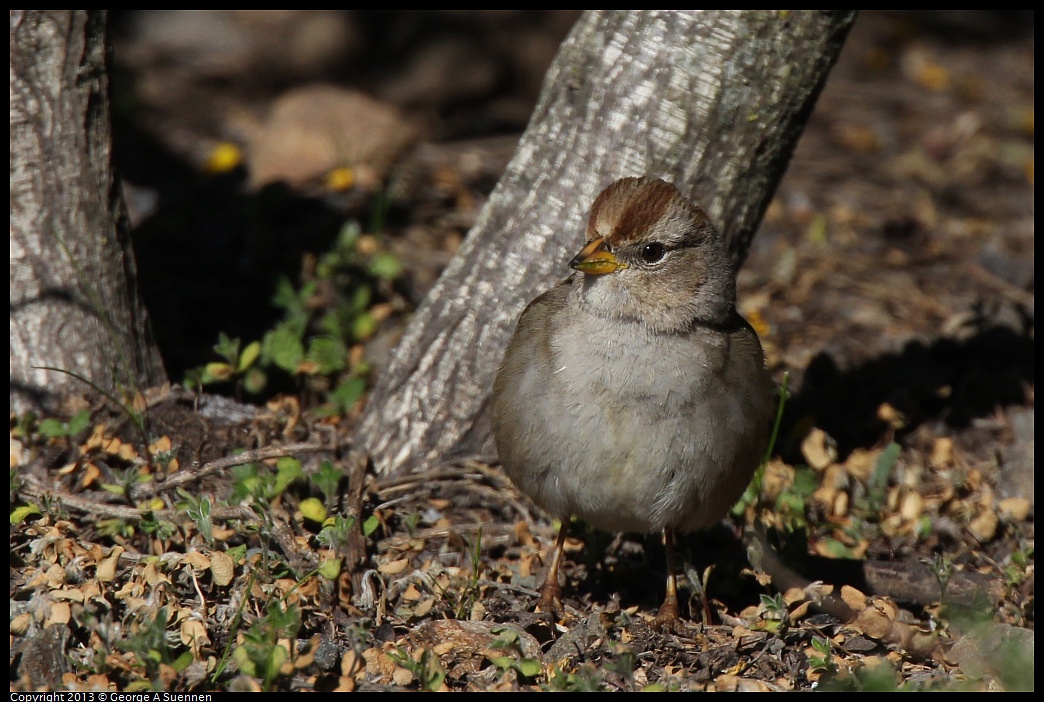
394	567
107	567
819	449
853	598
222	569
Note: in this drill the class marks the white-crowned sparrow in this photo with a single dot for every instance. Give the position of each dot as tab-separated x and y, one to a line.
633	395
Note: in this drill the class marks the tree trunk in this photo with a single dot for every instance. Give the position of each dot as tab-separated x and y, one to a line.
713	101
74	303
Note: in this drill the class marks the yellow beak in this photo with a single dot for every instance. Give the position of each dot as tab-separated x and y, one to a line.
596	259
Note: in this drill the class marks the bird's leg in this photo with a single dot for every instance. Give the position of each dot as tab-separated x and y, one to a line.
551	592
668	614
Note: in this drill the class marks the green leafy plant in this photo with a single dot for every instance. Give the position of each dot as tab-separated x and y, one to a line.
56	428
164	458
427	669
624	665
790	503
942	568
336	532
157	528
342	399
586	678
236	365
128	402
261	484
24	425
822	658
1015	572
149	643
471	592
126	479
877	485
410	522
877	678
198	510
327	479
775	614
322	318
508	640
260	654
24	512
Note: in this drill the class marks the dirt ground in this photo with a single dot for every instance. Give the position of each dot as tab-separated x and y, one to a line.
890	545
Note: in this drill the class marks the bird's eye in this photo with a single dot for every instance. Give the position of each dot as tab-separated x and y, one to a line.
651	253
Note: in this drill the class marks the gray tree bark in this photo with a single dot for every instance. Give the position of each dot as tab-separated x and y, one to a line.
74	303
713	101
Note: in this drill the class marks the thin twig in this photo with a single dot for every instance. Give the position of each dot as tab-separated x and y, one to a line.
473	475
187	476
489	532
34	488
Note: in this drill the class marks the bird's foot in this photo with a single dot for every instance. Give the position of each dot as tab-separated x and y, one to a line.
550	598
668	617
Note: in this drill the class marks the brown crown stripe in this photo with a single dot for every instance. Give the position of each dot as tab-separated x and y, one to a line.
641	201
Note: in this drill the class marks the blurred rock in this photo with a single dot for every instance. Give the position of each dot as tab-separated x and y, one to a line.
441	72
999	654
1014	269
226	43
315	129
1017	467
